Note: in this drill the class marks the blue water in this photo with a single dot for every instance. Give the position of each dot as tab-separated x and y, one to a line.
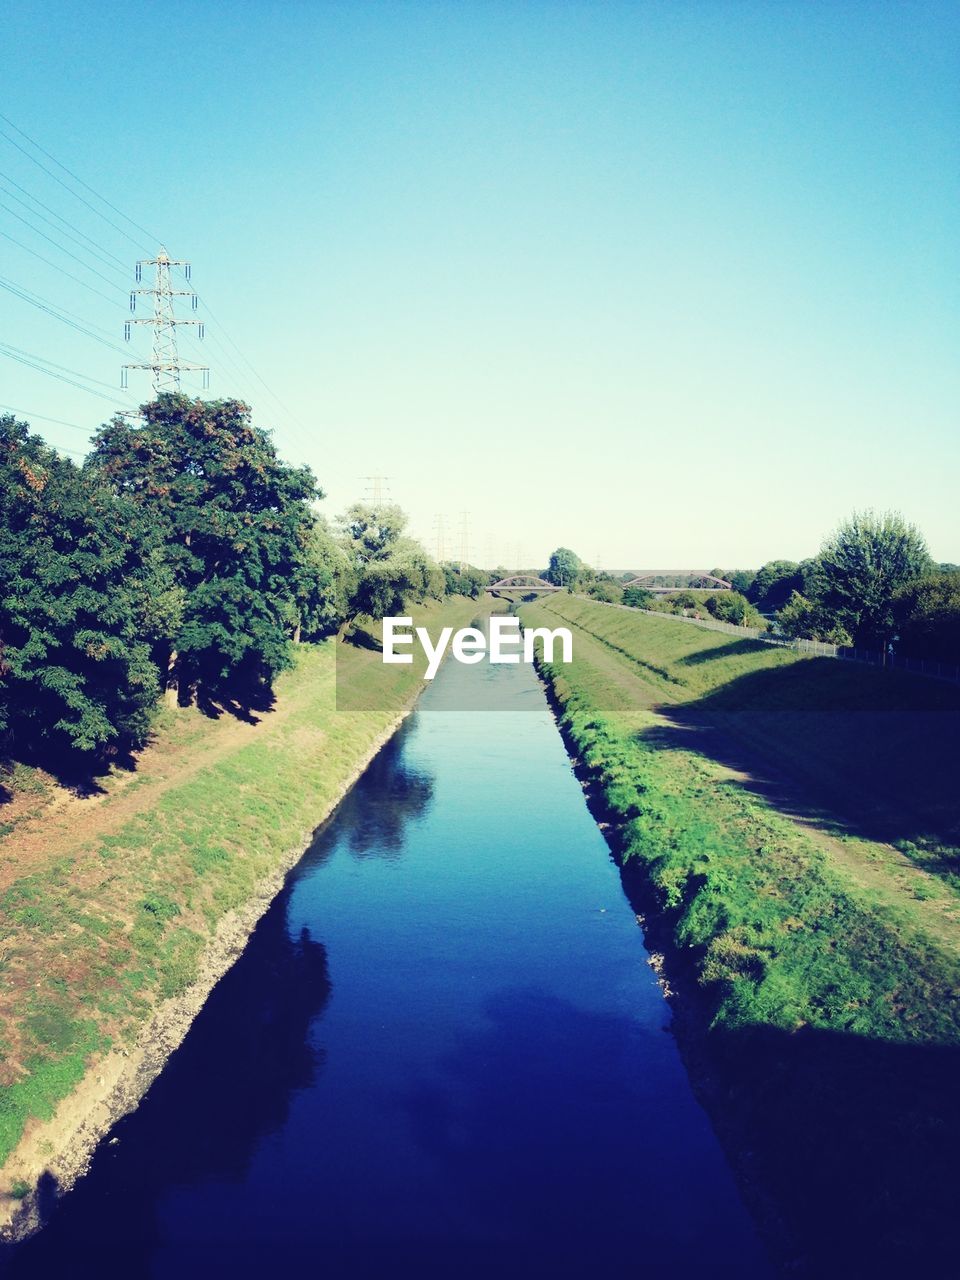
442	1053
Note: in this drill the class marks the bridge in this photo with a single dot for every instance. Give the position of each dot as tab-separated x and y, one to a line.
666	581
525	583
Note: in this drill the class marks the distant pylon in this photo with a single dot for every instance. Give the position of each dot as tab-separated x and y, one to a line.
464	538
166	365
439	529
375	486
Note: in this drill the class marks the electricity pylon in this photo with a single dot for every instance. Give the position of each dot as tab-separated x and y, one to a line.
464	539
440	529
166	365
375	487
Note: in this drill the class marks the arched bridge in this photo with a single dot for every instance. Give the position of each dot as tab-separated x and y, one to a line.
526	583
664	581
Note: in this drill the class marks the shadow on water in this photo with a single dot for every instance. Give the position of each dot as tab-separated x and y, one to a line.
500	1123
258	1017
845	1147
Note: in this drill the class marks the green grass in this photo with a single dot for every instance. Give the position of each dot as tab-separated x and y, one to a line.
779	934
818	967
109	928
874	753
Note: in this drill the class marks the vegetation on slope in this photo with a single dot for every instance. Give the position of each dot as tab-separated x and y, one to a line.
825	1015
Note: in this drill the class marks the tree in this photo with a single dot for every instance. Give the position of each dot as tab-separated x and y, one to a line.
774	583
371	532
861	568
803	619
82	594
638	597
732	607
323	584
928	617
465	580
233	521
390	570
605	589
564	569
740	579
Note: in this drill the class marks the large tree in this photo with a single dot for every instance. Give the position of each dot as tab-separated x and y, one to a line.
774	583
324	583
564	568
234	521
83	592
861	568
389	569
928	617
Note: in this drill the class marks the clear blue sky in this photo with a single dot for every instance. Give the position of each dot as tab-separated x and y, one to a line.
674	284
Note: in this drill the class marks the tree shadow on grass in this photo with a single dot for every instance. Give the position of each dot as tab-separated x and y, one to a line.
855	751
852	1141
734	648
248	700
362	639
75	771
844	1146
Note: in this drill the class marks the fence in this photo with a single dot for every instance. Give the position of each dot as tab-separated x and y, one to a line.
817	648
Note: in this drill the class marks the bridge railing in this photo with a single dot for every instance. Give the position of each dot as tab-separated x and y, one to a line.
816	648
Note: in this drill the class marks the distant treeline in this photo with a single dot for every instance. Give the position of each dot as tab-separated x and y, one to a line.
873	584
183	555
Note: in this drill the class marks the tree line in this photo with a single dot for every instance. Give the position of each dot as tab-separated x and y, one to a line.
872	585
183	555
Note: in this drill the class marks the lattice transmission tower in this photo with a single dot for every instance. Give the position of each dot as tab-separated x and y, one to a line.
376	487
440	535
166	365
464	539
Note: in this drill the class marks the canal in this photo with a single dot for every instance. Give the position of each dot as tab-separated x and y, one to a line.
443	1052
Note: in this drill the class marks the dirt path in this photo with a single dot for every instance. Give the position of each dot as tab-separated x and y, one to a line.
70	819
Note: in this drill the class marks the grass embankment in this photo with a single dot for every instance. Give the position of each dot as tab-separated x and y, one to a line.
823	1015
108	900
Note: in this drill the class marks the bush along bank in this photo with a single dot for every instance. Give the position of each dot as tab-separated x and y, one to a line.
822	1028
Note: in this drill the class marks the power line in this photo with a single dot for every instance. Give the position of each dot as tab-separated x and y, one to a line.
36	200
35	301
56	244
76	236
375	488
299	427
100	214
30	360
464	538
27	416
68	274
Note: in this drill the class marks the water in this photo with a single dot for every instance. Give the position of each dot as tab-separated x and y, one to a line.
442	1054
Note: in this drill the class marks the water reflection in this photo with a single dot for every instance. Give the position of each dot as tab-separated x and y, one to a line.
259	1018
373	818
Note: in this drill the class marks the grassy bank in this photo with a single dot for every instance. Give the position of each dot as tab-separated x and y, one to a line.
819	969
109	899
